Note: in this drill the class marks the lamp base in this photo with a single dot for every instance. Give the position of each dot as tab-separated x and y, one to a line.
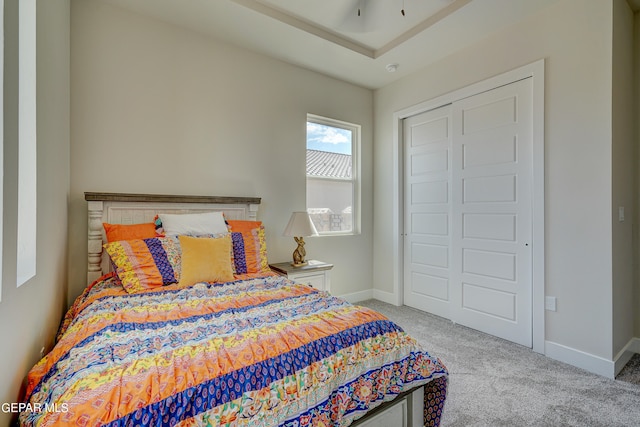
299	253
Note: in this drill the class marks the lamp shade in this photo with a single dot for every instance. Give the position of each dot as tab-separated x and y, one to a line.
300	225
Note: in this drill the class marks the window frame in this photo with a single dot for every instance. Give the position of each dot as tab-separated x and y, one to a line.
356	131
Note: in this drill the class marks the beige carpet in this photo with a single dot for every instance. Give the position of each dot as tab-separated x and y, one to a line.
497	383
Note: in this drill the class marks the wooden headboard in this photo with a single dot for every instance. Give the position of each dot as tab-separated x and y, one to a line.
125	208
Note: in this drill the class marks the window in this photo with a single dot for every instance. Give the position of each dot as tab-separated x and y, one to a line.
333	189
27	161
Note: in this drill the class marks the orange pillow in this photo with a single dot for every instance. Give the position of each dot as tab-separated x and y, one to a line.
117	232
205	260
241	225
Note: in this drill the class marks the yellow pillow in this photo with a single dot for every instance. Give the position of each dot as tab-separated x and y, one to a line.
205	260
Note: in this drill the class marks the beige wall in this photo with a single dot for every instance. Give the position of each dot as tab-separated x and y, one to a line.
624	188
158	109
30	315
574	36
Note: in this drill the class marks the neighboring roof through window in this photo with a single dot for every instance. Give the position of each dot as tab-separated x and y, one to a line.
325	164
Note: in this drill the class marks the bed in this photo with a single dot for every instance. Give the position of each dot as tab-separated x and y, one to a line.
254	349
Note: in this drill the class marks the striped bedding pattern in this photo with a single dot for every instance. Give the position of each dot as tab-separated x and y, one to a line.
262	351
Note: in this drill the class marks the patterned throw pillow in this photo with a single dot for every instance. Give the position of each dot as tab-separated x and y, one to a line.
249	247
145	263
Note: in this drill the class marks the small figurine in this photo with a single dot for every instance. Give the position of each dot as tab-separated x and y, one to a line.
299	253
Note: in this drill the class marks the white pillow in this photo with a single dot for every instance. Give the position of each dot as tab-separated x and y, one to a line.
193	224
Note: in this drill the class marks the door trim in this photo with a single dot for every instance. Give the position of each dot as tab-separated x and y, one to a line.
535	71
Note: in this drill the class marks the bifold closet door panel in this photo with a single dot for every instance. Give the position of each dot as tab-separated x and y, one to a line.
427	188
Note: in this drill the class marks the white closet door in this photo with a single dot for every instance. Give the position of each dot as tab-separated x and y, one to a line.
492	212
427	151
468	212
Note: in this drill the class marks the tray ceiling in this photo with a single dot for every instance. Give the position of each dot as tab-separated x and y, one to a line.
329	37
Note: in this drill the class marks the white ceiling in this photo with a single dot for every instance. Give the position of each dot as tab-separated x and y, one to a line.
329	37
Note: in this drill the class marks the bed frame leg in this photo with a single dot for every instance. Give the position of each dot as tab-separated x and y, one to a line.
415	408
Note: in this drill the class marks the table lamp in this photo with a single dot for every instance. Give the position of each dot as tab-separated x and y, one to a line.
299	226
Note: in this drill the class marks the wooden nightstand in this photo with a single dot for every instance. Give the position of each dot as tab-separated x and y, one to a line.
315	273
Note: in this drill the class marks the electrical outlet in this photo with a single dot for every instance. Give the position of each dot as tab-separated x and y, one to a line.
550	303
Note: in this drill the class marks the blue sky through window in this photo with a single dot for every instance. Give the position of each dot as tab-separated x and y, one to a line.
328	138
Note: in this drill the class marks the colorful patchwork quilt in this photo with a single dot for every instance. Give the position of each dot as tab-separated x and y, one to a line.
262	351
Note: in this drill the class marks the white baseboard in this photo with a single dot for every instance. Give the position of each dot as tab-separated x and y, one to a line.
388	297
623	357
358	296
589	362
